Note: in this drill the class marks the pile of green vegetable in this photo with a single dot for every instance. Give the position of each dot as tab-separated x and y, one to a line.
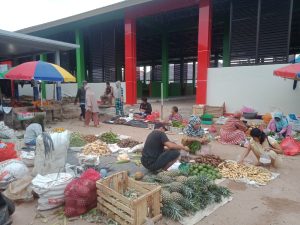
194	146
77	140
199	169
184	196
109	138
177	123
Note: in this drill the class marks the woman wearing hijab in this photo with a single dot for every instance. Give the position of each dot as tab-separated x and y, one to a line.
193	129
279	124
119	99
233	131
92	109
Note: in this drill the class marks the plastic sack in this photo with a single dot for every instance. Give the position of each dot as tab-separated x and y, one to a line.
7	151
56	159
20	190
5	131
265	159
28	158
13	167
81	194
290	146
50	189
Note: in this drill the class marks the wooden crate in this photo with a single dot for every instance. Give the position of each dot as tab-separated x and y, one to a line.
123	210
198	110
216	111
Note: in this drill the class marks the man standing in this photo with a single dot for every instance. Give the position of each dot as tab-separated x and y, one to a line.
160	153
81	97
92	109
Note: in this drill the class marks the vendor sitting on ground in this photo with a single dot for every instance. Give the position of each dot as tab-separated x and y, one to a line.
260	145
108	95
280	125
160	153
175	116
233	131
145	108
193	129
33	130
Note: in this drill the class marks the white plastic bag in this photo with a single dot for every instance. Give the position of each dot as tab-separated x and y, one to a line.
28	158
50	189
56	160
6	132
13	167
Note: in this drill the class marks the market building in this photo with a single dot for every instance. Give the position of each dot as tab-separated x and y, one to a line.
218	50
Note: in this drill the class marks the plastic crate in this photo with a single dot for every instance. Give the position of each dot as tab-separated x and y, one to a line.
25	115
123	210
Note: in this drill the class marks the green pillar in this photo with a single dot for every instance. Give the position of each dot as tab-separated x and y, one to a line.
80	63
43	57
226	44
165	65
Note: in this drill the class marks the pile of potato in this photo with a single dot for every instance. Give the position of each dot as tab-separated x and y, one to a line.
96	148
90	138
235	171
212	160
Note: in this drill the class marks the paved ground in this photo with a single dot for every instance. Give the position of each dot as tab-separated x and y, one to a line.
277	203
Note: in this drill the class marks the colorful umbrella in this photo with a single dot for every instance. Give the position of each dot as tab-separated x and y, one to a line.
290	72
39	70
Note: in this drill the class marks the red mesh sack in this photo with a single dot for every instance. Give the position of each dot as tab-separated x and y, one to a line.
91	174
8	152
81	194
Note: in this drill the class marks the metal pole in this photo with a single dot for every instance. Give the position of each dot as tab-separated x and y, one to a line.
162	101
57	62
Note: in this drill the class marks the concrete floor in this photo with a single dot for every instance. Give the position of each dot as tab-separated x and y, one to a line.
277	203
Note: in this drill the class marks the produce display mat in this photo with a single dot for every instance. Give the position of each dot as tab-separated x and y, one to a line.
194	219
253	183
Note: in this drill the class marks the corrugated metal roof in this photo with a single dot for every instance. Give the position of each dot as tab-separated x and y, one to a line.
14	44
82	16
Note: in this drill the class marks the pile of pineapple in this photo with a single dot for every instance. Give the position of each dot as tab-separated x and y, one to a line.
183	196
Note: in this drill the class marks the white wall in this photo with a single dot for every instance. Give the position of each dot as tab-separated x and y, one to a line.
69	89
253	86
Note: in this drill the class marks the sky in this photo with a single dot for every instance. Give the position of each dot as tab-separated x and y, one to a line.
19	14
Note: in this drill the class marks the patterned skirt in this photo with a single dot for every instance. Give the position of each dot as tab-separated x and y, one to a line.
232	137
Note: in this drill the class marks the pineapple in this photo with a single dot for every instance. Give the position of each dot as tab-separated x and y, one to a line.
173	211
187	192
181	179
173	173
148	179
177	197
176	187
164	179
166	197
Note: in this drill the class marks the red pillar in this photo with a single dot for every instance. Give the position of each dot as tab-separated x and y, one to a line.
130	61
204	41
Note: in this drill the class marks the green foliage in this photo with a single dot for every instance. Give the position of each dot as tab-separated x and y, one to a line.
109	138
194	146
178	124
